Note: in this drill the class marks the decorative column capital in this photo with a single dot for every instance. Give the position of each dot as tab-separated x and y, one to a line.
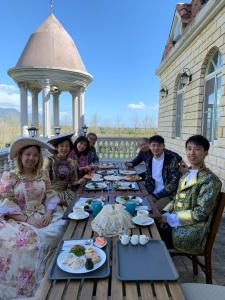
74	93
22	84
82	89
45	83
34	91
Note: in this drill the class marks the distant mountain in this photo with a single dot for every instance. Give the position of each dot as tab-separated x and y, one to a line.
4	112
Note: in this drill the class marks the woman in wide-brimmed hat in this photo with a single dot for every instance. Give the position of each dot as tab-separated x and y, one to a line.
30	227
63	170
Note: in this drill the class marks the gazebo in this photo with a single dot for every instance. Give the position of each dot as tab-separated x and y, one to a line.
50	63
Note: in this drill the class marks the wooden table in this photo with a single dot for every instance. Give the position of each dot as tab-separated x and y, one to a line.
111	287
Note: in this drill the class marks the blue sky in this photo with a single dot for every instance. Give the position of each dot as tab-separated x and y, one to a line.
120	41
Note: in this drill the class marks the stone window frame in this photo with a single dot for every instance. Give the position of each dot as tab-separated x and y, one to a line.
204	77
176	30
178	90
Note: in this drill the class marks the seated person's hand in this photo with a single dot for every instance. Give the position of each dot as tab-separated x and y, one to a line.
35	222
163	222
87	176
47	218
128	164
83	179
95	166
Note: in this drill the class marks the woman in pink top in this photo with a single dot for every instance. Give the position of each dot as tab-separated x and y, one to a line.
80	154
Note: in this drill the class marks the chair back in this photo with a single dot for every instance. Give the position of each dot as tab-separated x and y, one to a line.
215	222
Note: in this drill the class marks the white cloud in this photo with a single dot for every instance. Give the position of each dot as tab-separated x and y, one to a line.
142	105
65	117
139	105
10	97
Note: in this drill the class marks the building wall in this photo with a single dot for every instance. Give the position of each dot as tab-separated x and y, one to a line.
195	57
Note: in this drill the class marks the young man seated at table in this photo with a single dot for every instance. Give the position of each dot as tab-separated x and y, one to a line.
185	224
163	172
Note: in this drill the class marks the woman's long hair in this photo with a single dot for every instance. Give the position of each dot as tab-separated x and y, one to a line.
39	165
81	139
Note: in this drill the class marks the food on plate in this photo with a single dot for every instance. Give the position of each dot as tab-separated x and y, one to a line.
125	197
89	201
100	241
89	264
74	262
132	177
77	250
92	254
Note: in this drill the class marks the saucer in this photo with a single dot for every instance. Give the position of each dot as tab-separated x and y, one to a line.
147	222
74	216
97	245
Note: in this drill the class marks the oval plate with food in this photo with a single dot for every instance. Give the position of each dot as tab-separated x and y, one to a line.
65	261
127	172
132	177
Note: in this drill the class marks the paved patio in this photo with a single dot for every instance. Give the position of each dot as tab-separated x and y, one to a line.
184	265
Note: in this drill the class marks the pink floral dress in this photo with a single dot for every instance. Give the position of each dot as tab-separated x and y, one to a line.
24	248
82	161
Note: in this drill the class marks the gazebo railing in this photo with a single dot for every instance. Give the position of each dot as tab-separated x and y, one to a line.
117	148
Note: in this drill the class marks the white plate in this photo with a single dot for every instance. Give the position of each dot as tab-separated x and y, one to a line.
143	207
106	166
96	245
74	216
113	177
125	185
82	202
106	172
148	221
97	179
100	185
121	200
62	256
127	172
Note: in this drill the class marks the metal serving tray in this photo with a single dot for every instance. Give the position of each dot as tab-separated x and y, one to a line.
57	274
149	262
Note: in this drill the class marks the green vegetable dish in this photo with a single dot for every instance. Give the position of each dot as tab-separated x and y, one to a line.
78	250
89	264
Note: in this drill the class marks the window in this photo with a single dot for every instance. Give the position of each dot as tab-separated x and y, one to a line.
212	96
176	30
179	109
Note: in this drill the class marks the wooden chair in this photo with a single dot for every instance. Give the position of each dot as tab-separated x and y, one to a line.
207	266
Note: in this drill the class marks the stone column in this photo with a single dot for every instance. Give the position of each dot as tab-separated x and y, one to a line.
56	109
75	116
46	108
81	109
34	93
23	108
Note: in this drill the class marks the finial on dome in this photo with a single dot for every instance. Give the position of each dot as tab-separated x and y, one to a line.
51	6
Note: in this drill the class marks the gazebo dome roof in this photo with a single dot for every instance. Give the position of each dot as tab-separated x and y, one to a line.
51	47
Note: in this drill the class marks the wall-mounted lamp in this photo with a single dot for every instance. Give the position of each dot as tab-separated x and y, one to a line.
186	76
163	91
57	130
85	128
32	130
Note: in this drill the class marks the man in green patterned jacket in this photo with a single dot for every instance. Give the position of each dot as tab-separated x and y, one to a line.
185	222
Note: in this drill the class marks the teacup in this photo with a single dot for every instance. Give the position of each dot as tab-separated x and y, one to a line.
130	207
124	239
96	206
79	211
134	239
142	215
143	239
